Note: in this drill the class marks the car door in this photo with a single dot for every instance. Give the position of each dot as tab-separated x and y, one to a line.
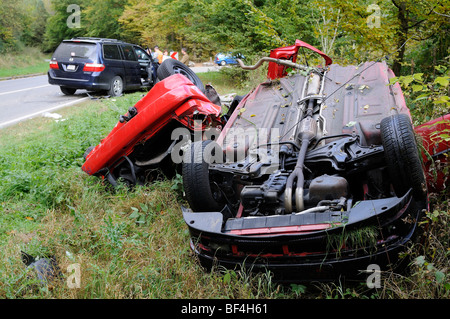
132	67
145	63
113	60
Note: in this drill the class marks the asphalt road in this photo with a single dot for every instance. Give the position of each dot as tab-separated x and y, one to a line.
25	98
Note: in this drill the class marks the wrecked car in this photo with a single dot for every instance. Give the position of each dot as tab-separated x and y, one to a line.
141	143
313	175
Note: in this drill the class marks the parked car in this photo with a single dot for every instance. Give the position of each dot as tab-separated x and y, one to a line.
223	59
314	174
98	64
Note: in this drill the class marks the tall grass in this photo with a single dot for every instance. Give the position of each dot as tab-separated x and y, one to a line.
129	244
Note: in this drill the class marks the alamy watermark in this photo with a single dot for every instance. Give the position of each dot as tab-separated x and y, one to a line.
374	20
374	278
74	19
74	278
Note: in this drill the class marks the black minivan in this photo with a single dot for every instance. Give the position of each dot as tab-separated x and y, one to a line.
98	64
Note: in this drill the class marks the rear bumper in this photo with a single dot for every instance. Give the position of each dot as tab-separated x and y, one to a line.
309	255
95	83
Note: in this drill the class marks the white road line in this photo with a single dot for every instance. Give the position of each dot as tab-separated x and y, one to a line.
21	90
42	111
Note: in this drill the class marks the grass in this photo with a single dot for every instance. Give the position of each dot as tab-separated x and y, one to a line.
128	244
134	244
32	61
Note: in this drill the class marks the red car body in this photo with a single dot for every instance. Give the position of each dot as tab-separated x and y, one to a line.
435	151
174	98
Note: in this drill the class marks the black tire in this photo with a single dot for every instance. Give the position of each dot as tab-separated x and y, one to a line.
402	156
67	91
116	86
88	150
171	66
196	179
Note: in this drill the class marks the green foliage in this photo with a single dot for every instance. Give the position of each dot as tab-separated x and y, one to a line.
426	94
22	23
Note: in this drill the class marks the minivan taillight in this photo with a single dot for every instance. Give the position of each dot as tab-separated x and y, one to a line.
93	67
54	65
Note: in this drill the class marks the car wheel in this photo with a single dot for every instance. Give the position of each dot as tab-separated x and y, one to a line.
202	194
67	91
223	63
116	88
402	156
88	150
171	66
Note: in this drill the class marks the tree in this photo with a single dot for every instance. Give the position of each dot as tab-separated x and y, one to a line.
57	28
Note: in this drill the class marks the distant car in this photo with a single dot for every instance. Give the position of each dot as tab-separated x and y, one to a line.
98	64
226	58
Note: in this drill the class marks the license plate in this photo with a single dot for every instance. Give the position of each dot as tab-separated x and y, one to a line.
71	67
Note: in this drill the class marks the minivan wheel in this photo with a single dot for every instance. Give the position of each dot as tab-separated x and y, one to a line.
116	87
67	91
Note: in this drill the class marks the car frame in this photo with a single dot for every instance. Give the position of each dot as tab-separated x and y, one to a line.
100	64
342	164
360	205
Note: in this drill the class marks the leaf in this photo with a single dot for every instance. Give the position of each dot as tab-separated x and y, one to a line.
440	68
417	88
134	214
422	96
442	100
406	80
440	276
442	80
393	80
144	207
419	261
418	77
227	278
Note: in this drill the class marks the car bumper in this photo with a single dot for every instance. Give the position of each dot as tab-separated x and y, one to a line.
94	84
305	254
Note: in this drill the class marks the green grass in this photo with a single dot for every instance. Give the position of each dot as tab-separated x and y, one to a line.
135	244
30	61
130	244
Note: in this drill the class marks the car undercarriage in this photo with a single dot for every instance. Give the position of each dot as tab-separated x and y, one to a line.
315	174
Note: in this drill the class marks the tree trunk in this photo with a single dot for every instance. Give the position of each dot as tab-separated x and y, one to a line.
402	32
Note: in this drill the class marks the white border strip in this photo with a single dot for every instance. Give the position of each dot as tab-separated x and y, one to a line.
4	124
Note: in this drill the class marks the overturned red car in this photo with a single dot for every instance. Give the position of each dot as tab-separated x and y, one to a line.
313	175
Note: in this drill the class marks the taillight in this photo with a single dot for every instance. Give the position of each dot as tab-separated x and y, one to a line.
93	67
54	65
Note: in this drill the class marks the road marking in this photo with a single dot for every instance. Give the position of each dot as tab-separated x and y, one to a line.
42	111
21	90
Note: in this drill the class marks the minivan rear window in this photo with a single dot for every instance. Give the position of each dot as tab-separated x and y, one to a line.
76	50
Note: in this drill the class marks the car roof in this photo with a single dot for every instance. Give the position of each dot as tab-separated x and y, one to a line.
94	40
